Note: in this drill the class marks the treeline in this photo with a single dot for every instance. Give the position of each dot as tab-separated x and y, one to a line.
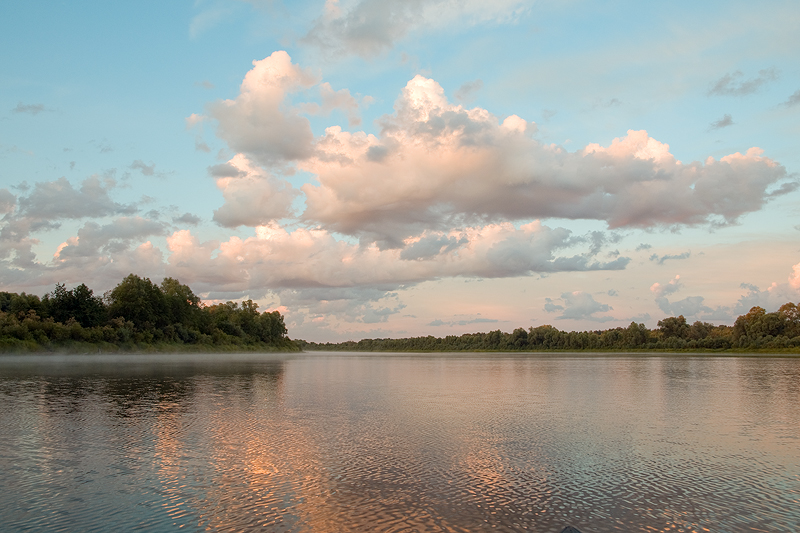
757	330
136	314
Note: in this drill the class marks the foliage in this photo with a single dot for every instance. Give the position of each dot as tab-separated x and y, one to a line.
136	314
757	330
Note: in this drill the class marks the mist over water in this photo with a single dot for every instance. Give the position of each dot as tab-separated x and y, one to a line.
364	442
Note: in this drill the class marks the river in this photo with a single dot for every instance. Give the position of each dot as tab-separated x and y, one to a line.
335	442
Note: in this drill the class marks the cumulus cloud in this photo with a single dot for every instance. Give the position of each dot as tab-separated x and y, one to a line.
58	199
258	122
689	307
331	99
315	259
660	290
430	246
370	27
7	201
578	305
732	84
773	296
111	239
438	165
42	208
724	122
252	196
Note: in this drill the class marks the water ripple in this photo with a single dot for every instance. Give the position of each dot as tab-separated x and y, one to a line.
403	444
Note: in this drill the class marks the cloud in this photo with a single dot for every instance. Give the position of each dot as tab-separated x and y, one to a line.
29	109
313	259
58	199
205	84
667	257
111	239
438	165
691	306
258	122
430	246
207	19
793	100
643	246
252	196
7	201
187	218
466	91
730	84
724	122
578	305
773	297
331	99
147	170
478	320
665	290
370	27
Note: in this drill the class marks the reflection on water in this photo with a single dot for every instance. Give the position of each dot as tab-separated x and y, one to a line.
347	442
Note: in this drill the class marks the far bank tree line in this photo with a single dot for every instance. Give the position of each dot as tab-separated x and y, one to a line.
756	330
136	314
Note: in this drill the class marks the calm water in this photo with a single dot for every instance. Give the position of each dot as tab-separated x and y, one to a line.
354	442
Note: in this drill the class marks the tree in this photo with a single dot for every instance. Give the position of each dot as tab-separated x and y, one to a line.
140	301
636	335
79	304
183	306
674	326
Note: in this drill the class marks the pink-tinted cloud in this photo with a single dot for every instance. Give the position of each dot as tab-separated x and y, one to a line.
436	165
253	197
302	259
258	122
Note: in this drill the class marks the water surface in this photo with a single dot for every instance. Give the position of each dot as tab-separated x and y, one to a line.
364	442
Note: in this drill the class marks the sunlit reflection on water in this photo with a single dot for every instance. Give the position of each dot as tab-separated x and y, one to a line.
340	442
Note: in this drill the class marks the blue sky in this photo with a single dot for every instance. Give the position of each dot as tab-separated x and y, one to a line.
408	168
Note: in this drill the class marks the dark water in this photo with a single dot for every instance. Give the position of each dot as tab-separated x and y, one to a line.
346	442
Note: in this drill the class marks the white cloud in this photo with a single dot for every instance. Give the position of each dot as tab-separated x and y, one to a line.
258	122
437	165
252	196
578	305
314	259
331	99
660	290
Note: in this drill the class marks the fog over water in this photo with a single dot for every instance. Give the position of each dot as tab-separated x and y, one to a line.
330	442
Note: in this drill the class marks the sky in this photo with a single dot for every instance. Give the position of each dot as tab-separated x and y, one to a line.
387	168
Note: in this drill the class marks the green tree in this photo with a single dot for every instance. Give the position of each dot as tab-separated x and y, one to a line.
140	301
183	306
79	304
674	326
